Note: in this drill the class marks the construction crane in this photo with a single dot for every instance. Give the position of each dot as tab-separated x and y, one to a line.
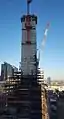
28	5
45	114
45	35
44	39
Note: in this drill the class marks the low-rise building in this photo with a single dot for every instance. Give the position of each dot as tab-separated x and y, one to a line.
7	70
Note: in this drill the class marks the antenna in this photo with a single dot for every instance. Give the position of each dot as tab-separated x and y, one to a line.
28	6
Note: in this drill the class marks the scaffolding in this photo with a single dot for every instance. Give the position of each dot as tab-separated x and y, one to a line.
25	98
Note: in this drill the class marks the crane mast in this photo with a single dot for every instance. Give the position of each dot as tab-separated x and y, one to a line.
28	6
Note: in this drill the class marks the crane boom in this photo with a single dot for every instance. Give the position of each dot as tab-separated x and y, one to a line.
44	39
45	35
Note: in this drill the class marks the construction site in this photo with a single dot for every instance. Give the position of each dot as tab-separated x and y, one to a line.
25	94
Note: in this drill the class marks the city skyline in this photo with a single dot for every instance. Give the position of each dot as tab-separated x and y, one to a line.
52	56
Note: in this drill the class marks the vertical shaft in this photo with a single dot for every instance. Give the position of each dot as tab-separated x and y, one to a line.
28	28
27	8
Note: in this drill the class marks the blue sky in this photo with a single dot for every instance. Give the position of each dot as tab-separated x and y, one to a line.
52	57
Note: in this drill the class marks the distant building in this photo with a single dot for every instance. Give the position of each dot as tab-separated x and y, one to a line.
49	81
7	70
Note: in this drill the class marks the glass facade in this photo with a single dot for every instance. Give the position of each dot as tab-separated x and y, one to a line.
7	70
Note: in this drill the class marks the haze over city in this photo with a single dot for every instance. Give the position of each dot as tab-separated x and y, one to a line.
52	56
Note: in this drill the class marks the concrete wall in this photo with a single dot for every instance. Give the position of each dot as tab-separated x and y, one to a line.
28	51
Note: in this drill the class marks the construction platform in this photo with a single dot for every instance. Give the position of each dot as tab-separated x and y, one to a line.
23	98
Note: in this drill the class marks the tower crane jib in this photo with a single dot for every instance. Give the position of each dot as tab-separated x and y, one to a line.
45	35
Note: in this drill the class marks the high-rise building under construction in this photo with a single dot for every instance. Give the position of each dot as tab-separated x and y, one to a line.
24	92
29	46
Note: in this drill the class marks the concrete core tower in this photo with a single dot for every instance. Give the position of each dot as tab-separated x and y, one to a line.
25	99
29	45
